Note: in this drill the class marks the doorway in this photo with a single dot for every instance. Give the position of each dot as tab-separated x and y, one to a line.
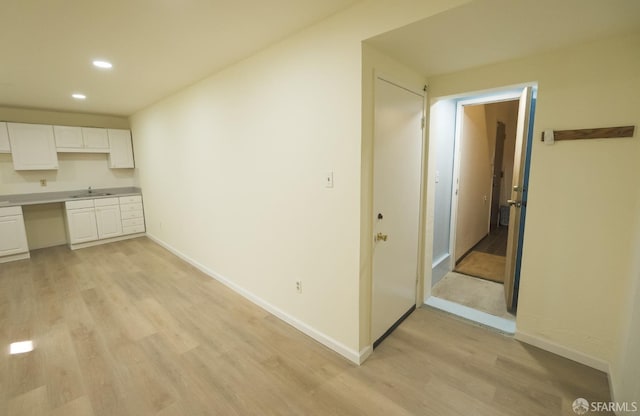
397	172
484	142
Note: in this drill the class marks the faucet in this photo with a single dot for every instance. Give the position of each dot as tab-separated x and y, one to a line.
90	191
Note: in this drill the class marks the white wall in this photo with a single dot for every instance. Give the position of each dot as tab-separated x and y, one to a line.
233	170
474	195
576	271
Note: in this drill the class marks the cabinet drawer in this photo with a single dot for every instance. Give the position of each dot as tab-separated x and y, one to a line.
103	202
133	221
83	203
133	229
131	207
127	215
130	199
6	211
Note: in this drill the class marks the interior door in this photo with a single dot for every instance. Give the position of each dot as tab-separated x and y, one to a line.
396	203
518	191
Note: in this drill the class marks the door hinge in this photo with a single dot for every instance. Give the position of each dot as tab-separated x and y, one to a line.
423	121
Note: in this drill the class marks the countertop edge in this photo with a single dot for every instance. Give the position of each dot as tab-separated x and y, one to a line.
63	196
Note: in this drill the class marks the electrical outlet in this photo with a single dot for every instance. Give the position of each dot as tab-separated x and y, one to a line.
43	182
299	286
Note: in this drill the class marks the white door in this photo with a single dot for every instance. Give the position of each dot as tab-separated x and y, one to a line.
396	203
517	196
13	238
108	221
82	225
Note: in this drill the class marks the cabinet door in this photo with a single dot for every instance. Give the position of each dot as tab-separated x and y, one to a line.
4	138
109	222
13	238
82	225
33	146
121	153
68	137
96	139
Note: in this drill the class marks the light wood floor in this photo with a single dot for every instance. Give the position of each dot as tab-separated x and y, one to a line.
128	329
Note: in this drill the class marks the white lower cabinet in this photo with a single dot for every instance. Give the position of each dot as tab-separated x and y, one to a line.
81	221
132	214
92	220
13	236
108	218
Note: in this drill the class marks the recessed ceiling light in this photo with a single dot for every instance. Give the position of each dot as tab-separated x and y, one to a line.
78	96
102	64
21	347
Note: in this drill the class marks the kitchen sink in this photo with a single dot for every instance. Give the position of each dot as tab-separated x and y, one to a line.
92	194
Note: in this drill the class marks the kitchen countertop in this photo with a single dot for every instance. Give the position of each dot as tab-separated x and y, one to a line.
63	196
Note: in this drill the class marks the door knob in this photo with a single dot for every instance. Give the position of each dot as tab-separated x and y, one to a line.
513	203
381	237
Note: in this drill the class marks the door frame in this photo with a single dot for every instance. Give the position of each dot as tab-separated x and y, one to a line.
471	97
420	270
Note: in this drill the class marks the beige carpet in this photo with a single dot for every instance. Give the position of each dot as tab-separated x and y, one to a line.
487	266
479	294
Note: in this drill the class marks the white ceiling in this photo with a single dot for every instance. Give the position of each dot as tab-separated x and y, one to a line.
156	46
489	31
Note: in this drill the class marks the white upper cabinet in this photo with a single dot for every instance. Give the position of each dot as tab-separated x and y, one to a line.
4	138
68	137
121	154
95	139
33	146
81	139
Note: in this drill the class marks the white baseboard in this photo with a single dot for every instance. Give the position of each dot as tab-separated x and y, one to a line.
563	351
356	357
105	241
15	257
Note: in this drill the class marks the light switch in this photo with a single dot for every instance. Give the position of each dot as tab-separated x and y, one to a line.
328	180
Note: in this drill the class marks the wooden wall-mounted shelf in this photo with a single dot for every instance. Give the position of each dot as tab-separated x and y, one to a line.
600	133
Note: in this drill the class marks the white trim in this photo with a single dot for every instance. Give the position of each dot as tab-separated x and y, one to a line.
105	241
398	82
563	351
501	324
365	353
15	257
486	93
356	357
511	95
